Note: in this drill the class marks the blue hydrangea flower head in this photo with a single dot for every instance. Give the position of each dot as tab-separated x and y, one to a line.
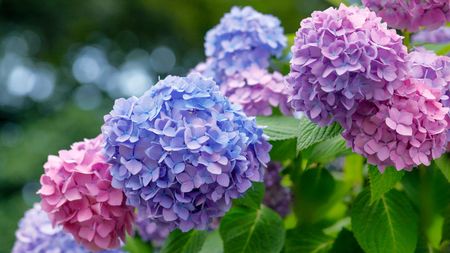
37	235
242	38
182	151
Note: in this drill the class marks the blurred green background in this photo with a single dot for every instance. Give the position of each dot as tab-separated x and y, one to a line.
62	63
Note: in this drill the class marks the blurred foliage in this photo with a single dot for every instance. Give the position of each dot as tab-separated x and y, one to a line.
55	31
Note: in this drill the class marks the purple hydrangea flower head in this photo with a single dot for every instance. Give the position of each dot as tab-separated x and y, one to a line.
242	38
182	151
277	196
36	234
438	36
411	14
257	91
425	65
341	57
406	131
154	231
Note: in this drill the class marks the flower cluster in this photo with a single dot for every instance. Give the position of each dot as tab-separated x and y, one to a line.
406	131
182	151
341	57
425	65
438	36
244	37
76	192
434	70
154	231
257	91
238	51
411	15
277	196
36	234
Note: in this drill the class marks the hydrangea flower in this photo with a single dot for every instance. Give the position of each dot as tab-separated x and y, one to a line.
341	57
434	70
277	196
438	36
36	234
406	131
154	231
182	151
411	14
242	38
425	65
76	192
205	68
257	91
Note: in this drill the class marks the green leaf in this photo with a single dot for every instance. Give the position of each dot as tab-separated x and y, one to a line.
443	164
312	191
279	127
309	133
137	245
390	224
213	243
338	2
353	170
179	242
380	183
327	150
245	230
307	240
253	197
439	49
429	191
446	226
346	242
283	150
290	40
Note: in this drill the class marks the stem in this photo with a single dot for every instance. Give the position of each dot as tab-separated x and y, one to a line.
407	39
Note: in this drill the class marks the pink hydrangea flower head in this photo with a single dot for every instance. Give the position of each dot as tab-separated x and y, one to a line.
340	58
76	193
204	68
411	14
257	91
406	131
434	70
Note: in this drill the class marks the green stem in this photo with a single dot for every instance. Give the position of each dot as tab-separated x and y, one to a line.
407	39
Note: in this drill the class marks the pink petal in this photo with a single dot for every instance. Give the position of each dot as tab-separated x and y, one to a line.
86	233
383	153
84	215
102	242
391	124
404	130
371	147
105	228
47	190
92	188
72	194
405	118
102	196
115	198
